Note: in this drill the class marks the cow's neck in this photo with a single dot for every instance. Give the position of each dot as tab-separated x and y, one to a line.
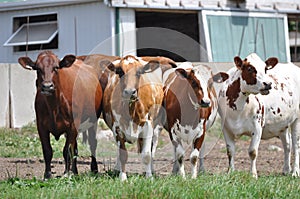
57	104
236	98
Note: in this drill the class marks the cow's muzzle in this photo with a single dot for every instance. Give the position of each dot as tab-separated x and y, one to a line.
130	93
48	88
202	104
266	89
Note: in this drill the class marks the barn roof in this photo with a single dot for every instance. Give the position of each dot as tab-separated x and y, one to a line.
7	5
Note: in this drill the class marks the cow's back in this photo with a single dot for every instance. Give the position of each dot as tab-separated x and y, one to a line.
282	103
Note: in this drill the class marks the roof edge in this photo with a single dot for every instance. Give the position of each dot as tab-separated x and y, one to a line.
30	4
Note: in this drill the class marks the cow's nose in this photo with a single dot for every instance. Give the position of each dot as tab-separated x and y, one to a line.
48	86
205	103
130	93
268	86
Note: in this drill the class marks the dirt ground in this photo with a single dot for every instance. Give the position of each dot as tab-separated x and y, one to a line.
270	160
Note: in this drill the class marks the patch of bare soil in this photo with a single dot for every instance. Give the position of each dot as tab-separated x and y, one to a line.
270	161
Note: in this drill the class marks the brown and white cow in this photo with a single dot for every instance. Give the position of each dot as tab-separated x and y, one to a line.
132	100
68	100
248	106
191	106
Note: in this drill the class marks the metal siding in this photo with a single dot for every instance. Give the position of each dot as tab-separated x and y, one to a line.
94	26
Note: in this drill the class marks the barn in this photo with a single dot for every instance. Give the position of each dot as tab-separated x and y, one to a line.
193	30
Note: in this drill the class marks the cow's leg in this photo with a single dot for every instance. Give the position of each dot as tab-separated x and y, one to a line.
195	155
201	159
295	132
230	147
122	157
285	139
47	151
156	133
178	166
146	148
93	146
253	150
70	151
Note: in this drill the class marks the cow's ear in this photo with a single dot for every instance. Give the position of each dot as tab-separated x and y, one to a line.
220	77
238	62
271	63
117	69
150	66
181	72
67	61
27	63
106	64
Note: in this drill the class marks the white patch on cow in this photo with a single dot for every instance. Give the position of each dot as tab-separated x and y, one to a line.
132	132
116	62
203	74
142	61
113	80
194	156
187	133
186	65
166	75
130	60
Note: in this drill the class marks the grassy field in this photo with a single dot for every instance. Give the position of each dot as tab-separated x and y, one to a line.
85	185
235	185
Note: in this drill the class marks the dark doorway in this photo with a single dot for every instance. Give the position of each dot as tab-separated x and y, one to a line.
169	34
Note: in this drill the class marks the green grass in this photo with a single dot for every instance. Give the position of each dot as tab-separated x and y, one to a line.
28	138
85	185
235	185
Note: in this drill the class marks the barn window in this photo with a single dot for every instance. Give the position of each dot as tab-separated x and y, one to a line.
233	33
34	33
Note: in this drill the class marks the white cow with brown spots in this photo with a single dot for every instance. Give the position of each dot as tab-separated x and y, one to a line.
262	104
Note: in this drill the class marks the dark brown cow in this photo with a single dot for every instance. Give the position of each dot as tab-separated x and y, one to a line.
190	102
100	63
68	100
131	101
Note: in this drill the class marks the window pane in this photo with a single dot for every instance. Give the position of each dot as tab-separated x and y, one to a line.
241	35
38	33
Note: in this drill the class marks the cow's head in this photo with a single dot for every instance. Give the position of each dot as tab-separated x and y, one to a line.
201	80
47	66
130	70
253	74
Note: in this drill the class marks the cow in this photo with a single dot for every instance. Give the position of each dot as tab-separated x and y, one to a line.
261	101
190	102
131	102
101	62
68	100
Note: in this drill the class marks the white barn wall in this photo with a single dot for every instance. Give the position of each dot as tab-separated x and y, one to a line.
127	34
94	25
4	98
22	91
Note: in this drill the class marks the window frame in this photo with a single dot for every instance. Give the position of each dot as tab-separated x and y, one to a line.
205	13
44	41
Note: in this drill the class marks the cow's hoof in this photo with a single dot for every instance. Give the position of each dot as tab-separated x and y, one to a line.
47	175
94	166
